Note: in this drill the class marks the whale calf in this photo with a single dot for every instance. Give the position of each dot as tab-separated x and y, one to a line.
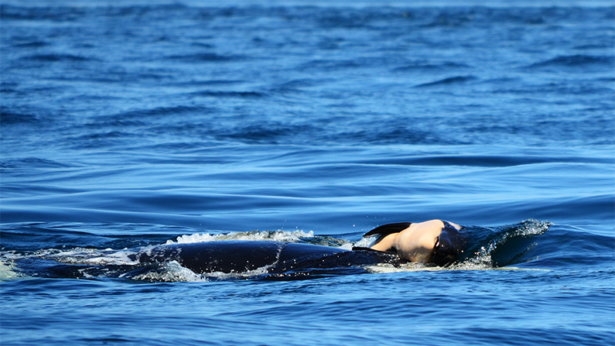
434	241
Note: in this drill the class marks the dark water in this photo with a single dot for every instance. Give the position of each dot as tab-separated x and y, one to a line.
135	124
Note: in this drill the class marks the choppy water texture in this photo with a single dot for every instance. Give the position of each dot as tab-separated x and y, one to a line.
128	125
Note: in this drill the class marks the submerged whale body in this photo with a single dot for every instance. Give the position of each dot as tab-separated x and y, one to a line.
274	257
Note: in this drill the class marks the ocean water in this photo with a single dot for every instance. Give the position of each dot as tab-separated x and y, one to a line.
126	125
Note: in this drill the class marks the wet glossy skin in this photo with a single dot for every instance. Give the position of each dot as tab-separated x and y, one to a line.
417	242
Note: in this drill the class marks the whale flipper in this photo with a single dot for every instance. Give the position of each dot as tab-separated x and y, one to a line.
384	230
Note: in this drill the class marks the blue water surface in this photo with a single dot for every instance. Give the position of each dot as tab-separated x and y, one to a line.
138	123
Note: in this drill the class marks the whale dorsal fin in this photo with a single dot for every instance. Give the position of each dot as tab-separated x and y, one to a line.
384	230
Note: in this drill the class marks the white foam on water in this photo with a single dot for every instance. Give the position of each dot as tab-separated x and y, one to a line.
287	236
12	255
77	255
174	272
419	267
93	257
363	242
171	272
482	258
239	275
7	271
406	267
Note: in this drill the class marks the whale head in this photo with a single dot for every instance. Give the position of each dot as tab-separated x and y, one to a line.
449	244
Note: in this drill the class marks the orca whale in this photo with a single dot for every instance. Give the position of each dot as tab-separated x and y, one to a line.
434	241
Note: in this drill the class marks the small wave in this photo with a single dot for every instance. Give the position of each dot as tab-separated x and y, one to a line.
205	57
115	122
333	65
454	19
142	117
422	66
216	93
265	132
294	85
162	111
12	118
482	160
31	44
557	89
347	20
209	82
32	162
287	236
447	81
104	135
501	246
576	61
399	135
591	46
37	13
58	58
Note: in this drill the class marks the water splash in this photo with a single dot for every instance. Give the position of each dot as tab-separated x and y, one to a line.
92	256
8	271
169	272
173	272
286	236
363	242
500	246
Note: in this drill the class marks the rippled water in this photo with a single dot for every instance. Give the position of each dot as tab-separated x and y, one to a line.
136	124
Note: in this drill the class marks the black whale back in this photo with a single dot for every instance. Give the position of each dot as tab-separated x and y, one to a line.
244	256
233	256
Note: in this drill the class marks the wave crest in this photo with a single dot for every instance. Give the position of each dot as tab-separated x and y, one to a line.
501	246
286	236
